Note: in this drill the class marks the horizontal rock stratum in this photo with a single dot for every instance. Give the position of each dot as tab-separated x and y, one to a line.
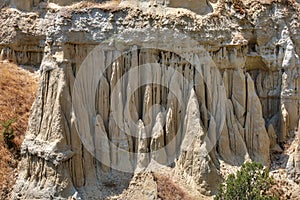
153	85
200	7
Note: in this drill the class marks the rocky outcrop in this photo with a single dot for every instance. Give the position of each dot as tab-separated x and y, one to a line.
22	5
30	5
125	90
200	7
294	160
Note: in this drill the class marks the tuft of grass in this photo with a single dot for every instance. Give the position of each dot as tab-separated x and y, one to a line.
167	189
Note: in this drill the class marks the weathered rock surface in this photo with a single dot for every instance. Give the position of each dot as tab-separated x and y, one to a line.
178	88
200	7
294	160
29	5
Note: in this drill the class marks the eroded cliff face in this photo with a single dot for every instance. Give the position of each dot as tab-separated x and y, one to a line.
138	88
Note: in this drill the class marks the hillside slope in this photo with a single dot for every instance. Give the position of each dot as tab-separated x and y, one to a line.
17	93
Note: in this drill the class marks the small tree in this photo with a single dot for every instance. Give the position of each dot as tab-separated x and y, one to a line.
8	133
252	182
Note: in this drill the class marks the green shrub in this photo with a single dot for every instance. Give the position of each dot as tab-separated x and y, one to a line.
8	132
252	182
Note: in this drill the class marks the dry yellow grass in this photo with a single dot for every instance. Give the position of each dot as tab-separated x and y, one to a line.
167	189
17	93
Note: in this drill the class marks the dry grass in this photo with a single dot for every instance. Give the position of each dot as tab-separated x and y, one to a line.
168	190
17	93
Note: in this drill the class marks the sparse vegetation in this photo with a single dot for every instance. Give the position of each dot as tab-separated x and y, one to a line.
252	182
8	132
167	189
17	93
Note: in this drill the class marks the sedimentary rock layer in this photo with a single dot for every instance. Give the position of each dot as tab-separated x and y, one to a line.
123	90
